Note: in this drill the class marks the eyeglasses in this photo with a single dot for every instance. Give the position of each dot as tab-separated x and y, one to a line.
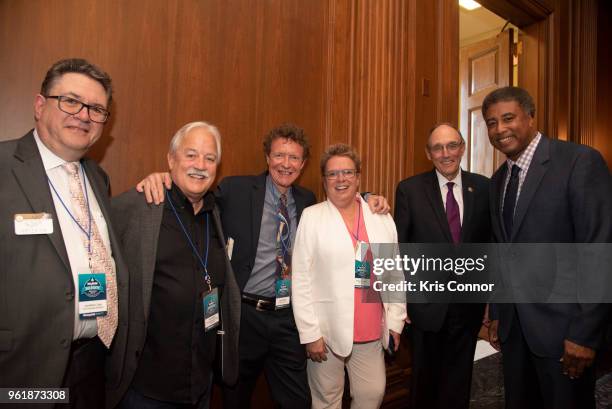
74	106
347	173
452	147
279	157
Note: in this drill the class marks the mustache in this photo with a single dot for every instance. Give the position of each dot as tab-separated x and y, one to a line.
198	172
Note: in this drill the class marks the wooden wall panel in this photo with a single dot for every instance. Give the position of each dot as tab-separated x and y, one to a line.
245	66
372	81
603	120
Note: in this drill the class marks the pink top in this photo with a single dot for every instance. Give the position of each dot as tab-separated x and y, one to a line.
368	313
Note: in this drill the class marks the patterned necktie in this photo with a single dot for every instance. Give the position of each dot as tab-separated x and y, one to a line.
452	214
510	199
283	240
100	259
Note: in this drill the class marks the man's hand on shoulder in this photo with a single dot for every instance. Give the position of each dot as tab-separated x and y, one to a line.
378	204
153	186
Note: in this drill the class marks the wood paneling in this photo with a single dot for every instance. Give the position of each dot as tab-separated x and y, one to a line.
245	66
603	120
344	70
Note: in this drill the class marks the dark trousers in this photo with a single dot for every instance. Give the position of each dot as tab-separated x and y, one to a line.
533	382
85	375
136	400
442	362
269	342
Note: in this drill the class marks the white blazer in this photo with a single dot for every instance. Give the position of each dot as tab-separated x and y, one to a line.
323	277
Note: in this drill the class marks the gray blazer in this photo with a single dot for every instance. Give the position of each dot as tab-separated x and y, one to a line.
37	292
138	225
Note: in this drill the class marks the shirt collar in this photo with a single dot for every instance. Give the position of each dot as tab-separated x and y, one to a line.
50	160
442	180
524	160
275	192
180	200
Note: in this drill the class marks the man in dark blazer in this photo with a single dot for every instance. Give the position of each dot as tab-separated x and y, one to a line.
172	342
269	339
428	210
548	191
45	341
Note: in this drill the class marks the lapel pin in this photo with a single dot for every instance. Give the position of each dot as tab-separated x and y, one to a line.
470	189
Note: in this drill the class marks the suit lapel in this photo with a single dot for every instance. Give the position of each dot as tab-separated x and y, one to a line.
150	224
468	205
496	193
299	204
537	170
258	197
432	191
32	178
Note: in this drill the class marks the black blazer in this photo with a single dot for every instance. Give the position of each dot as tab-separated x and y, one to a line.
37	293
241	201
566	198
138	225
420	217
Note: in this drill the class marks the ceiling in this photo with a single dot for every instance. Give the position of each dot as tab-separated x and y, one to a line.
478	24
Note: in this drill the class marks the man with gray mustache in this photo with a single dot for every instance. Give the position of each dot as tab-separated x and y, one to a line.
184	292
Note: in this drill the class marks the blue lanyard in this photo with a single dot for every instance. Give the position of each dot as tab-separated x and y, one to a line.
356	236
88	231
204	262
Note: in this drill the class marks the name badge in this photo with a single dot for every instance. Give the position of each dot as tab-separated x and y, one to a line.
33	223
362	266
211	309
92	295
283	293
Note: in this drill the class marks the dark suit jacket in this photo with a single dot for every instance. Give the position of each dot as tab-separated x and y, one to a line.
420	217
37	293
241	201
138	225
565	198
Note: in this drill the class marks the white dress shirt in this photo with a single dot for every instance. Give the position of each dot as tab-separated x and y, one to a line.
72	234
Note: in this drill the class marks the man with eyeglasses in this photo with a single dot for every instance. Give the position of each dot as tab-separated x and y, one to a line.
63	285
444	205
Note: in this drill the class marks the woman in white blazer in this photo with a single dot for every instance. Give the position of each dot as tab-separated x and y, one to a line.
339	316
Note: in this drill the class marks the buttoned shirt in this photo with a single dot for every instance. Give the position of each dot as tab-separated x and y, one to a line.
263	277
523	162
71	233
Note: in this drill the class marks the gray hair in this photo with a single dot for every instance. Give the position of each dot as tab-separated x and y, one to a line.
180	134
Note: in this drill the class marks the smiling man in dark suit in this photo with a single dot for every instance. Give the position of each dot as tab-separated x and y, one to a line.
548	191
63	285
444	205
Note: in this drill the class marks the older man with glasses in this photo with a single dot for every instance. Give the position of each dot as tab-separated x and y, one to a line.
444	205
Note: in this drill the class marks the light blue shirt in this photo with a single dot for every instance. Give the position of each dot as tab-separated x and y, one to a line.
263	277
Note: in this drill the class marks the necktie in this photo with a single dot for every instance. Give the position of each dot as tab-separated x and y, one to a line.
452	214
283	240
100	259
510	199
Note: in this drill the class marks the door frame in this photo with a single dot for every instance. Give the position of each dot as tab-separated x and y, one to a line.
562	60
